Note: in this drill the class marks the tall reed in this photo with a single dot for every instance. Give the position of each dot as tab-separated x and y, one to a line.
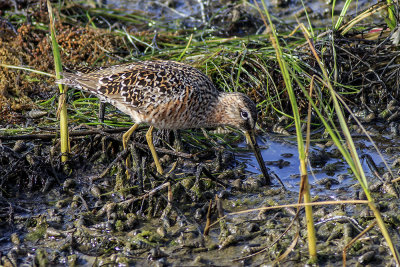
62	107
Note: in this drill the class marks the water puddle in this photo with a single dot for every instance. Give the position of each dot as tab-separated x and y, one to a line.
327	172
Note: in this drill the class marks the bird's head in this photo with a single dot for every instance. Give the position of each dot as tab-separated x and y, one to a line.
239	111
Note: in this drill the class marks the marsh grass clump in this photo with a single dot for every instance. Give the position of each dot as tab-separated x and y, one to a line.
363	70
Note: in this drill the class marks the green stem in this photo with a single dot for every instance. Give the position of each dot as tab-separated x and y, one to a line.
64	136
311	237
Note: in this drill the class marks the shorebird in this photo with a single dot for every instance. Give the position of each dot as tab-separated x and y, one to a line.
168	95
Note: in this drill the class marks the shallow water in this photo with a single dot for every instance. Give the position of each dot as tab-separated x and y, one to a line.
281	157
194	12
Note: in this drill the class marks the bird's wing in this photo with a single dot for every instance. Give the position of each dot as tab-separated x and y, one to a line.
142	84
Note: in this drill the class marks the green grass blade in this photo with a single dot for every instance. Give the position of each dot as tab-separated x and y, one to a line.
27	69
64	136
353	160
342	14
305	188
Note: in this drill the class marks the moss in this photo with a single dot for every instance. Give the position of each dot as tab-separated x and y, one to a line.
119	225
39	231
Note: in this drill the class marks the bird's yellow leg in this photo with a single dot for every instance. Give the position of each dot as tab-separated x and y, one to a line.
125	139
128	134
149	138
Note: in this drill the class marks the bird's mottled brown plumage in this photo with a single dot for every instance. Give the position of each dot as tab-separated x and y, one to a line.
167	95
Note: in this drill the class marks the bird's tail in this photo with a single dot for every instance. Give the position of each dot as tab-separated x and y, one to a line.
77	80
68	79
76	76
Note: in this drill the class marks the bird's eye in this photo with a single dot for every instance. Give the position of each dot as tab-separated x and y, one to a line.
244	115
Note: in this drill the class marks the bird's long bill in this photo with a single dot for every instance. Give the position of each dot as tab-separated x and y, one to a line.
251	139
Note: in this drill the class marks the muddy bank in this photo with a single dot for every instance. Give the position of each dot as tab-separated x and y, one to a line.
86	217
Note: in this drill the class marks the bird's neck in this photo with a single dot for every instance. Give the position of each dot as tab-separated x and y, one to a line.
220	114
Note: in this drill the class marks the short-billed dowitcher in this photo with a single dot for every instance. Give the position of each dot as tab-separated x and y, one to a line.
168	95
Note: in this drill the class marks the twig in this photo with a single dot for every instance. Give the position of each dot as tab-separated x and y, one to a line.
57	133
148	194
208	223
93	132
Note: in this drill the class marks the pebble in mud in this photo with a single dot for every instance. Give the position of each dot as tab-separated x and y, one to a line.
52	232
395	116
76	201
131	222
19	146
252	184
99	203
190	239
327	182
36	114
161	231
54	217
227	174
287	155
332	168
318	158
237	183
394	129
370	117
224	194
201	212
15	239
156	253
253	227
336	232
367	257
69	184
279	163
96	191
